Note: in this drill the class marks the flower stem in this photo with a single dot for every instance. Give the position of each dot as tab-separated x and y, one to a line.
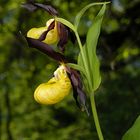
95	116
81	49
93	106
83	57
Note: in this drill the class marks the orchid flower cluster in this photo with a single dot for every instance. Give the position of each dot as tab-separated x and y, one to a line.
84	77
65	78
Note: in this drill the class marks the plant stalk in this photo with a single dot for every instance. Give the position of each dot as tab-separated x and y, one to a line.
81	48
92	100
83	57
95	116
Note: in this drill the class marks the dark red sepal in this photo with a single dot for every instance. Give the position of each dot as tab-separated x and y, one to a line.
45	48
31	6
52	11
78	92
63	35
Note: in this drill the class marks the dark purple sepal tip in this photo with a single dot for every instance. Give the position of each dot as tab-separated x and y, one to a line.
45	48
63	35
31	6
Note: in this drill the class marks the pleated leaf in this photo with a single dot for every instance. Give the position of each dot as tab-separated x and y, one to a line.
80	14
89	51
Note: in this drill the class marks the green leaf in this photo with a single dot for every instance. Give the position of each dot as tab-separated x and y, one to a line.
80	62
80	14
90	51
77	67
66	22
134	132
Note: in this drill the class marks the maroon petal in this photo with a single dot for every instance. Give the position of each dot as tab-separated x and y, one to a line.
82	100
43	35
31	6
63	35
74	80
52	11
78	93
45	48
75	95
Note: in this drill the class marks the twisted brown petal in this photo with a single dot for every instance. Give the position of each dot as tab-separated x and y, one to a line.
48	8
45	48
78	93
63	34
43	35
31	6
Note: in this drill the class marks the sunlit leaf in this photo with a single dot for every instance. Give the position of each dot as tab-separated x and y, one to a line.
86	78
90	51
91	42
134	132
80	14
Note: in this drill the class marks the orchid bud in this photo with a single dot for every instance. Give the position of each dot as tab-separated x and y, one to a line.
51	37
55	89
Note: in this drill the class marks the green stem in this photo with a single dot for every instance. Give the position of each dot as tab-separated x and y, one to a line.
93	106
81	49
95	116
83	57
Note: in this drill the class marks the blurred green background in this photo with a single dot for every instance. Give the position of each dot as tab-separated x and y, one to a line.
22	69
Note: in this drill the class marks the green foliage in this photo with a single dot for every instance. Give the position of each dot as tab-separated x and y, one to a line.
87	58
89	51
81	13
133	132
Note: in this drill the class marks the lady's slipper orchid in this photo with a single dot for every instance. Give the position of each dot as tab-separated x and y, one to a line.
51	37
64	77
53	33
55	89
68	75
